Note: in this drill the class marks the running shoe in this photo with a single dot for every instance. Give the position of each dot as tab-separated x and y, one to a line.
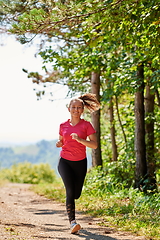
75	227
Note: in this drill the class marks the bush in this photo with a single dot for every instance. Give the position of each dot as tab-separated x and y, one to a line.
29	173
125	207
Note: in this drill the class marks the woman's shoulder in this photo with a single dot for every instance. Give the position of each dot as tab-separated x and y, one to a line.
85	122
88	126
64	123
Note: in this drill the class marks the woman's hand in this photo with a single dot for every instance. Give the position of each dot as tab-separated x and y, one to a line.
75	137
59	143
91	143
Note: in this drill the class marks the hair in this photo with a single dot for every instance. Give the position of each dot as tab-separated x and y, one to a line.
89	101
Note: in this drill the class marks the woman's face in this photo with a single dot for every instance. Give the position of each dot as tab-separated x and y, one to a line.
76	108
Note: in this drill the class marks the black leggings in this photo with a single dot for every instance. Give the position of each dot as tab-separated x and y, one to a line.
73	174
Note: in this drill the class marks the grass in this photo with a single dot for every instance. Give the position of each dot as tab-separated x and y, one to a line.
125	209
53	191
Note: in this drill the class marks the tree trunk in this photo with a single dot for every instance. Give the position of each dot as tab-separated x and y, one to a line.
140	148
158	97
151	163
95	88
120	122
112	131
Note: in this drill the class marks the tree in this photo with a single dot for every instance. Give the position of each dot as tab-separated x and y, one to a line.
150	150
111	37
95	88
140	147
113	132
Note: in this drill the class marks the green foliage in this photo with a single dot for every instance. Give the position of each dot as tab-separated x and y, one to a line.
104	180
110	37
29	173
122	170
126	208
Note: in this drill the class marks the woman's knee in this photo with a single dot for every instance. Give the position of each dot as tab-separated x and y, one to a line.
77	194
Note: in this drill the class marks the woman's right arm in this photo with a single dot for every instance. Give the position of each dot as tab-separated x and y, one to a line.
59	143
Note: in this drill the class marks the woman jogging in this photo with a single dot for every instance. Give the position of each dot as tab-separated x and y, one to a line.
74	136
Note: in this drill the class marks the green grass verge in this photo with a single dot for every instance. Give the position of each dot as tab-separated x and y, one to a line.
127	210
116	205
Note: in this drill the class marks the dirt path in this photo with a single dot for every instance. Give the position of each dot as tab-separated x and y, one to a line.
25	215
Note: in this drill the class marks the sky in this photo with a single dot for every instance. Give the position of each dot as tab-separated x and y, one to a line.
23	119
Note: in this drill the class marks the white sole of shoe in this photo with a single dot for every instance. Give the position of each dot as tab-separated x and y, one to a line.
76	228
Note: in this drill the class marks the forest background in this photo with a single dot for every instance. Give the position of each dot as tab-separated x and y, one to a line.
109	48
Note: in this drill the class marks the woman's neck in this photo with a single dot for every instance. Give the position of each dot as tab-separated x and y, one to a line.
74	121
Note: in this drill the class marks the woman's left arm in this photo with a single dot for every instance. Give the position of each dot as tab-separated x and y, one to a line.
91	143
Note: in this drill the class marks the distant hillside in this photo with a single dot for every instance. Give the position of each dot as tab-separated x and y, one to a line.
40	152
43	151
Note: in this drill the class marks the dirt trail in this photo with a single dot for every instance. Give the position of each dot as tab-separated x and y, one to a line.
25	215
